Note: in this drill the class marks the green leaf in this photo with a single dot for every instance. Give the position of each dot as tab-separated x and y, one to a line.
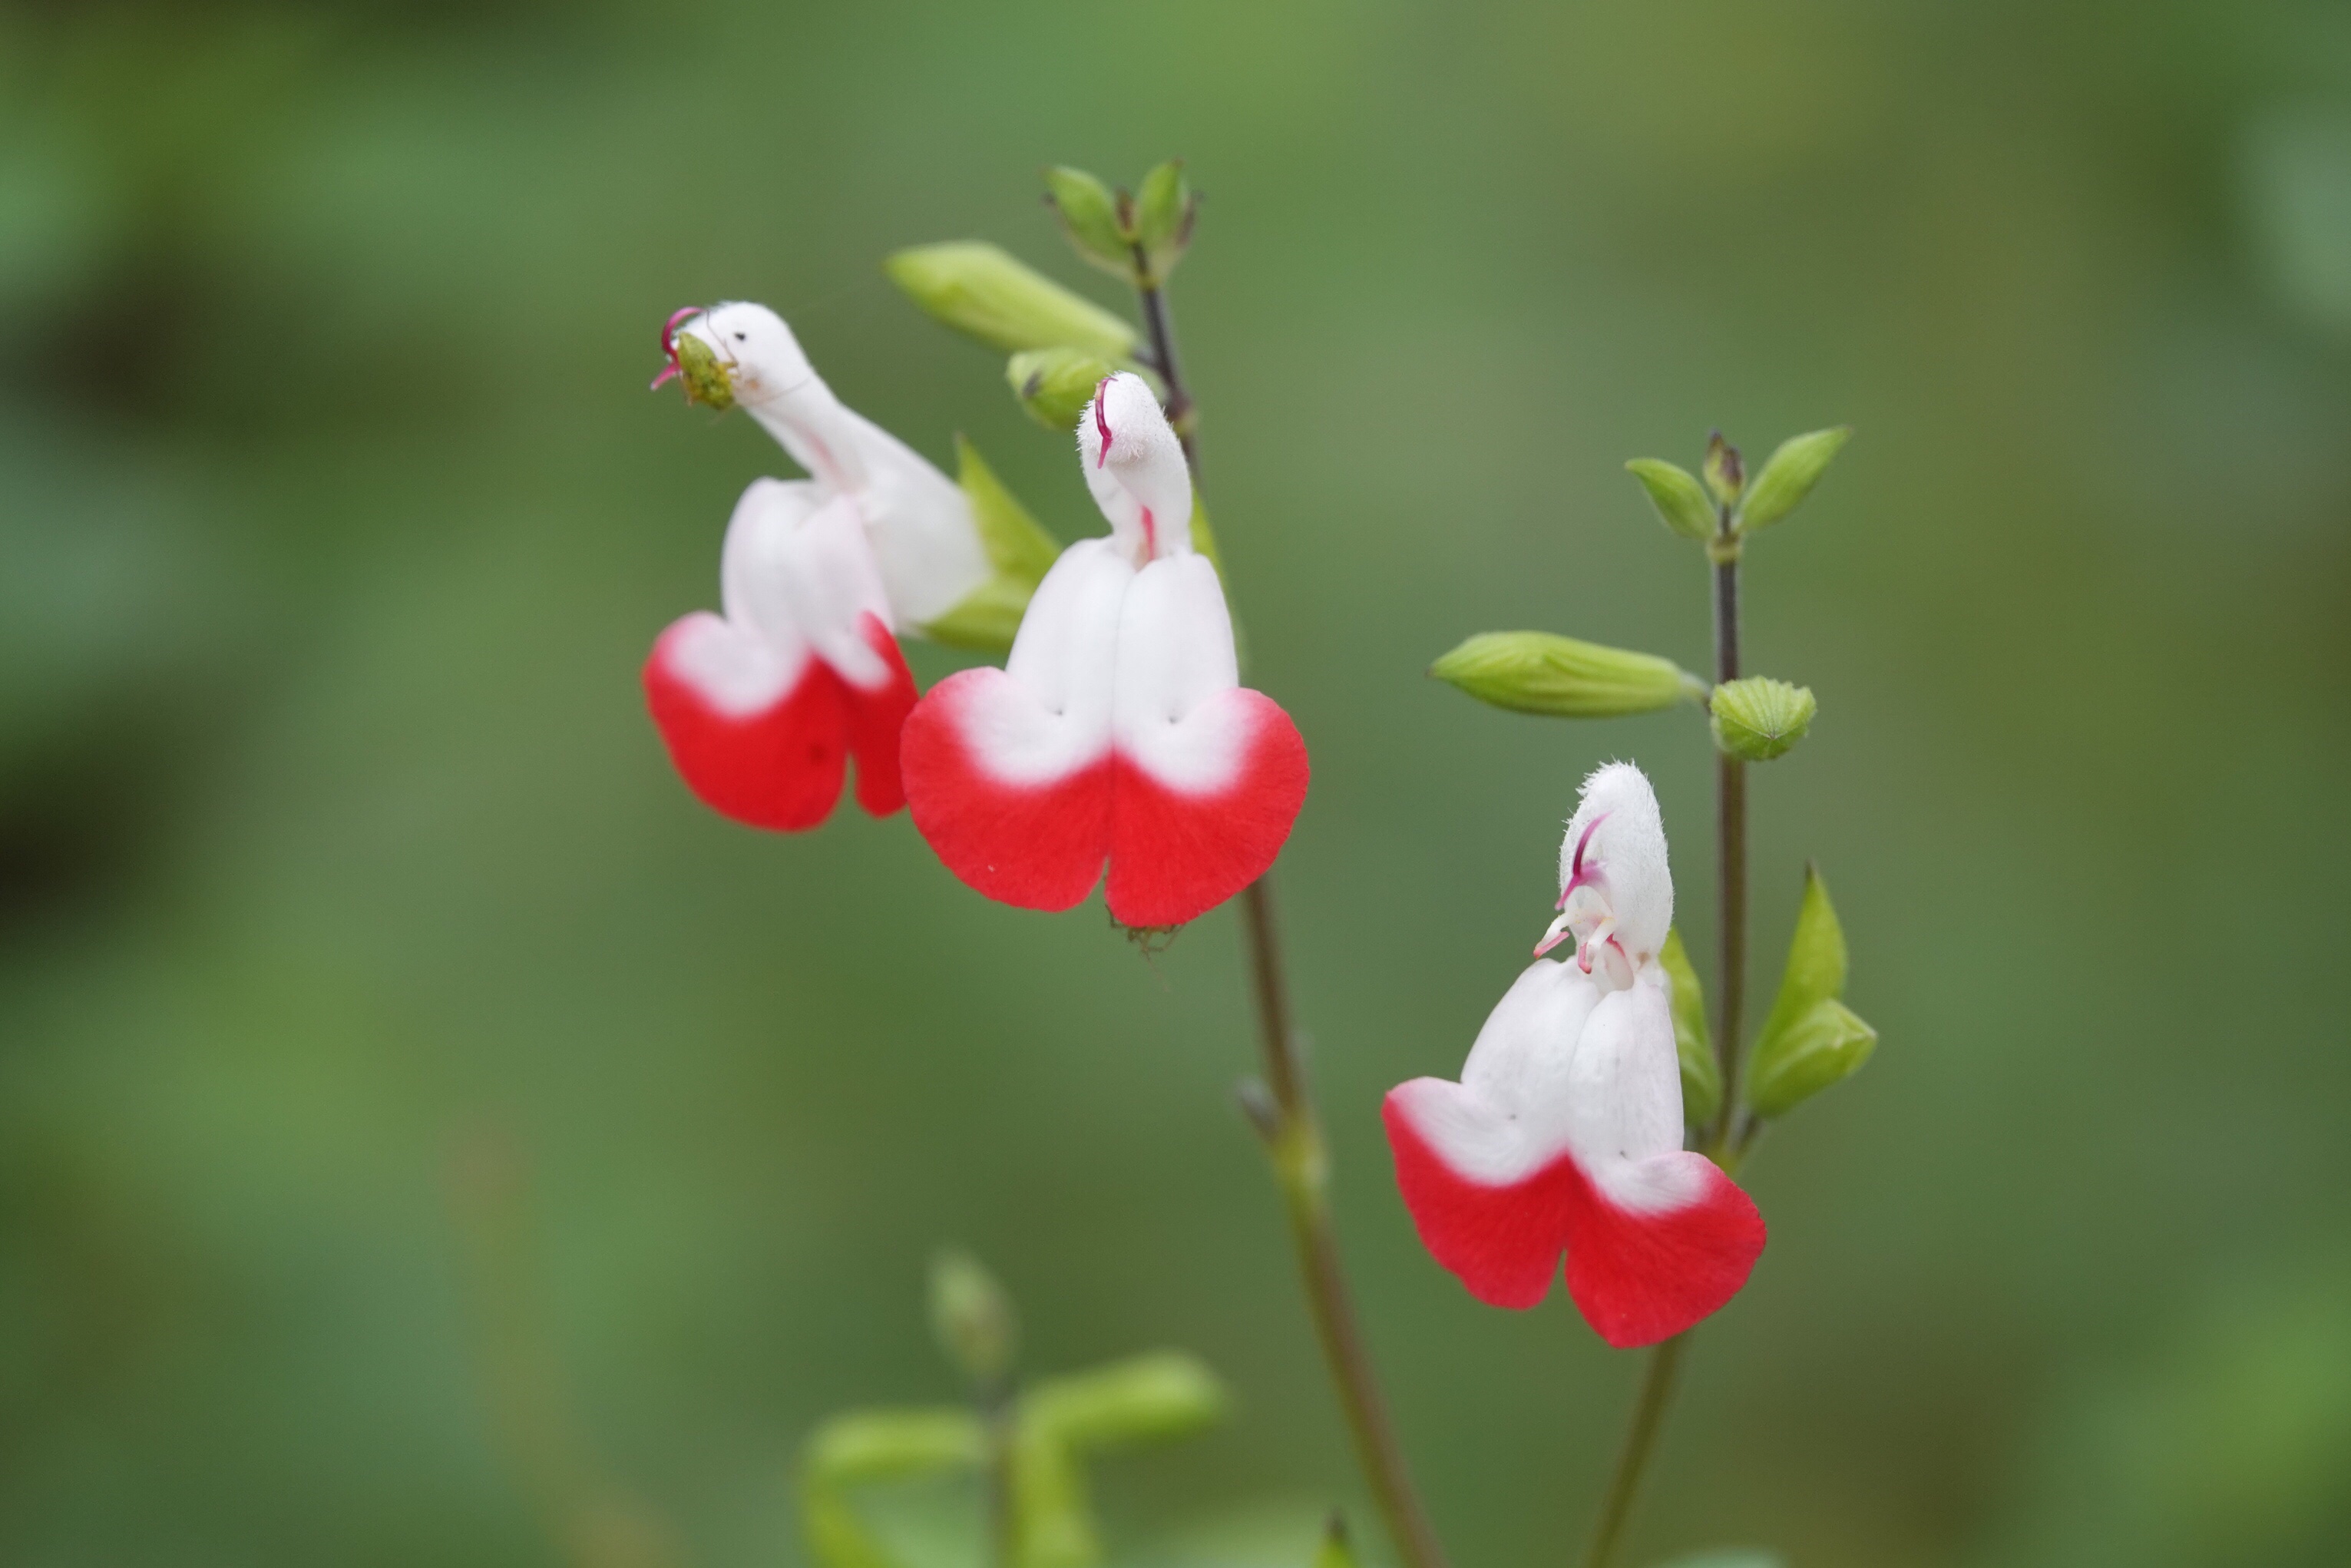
861	1447
1826	1046
973	1318
1162	1393
979	289
1790	476
1535	672
1053	1516
1164	208
1019	551
1759	718
1680	500
1091	218
1810	1040
1701	1074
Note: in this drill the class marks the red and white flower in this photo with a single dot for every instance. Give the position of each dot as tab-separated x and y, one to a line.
1564	1133
762	704
1118	730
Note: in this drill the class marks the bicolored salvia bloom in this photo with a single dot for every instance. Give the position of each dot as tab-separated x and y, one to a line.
1118	730
763	704
1564	1133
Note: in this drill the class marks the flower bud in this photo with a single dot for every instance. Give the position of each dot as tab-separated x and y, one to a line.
1100	225
972	1316
1790	476
1701	1074
979	289
1534	671
1811	1038
1164	209
1759	718
1055	384
1726	476
1680	499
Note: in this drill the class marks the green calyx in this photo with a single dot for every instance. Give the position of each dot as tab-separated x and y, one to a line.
1811	1039
1701	1074
1759	718
981	290
1727	504
1054	385
1536	671
1136	237
1020	553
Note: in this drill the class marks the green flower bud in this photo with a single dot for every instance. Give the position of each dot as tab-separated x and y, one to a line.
1017	548
979	289
1825	1046
1680	499
972	1316
1790	476
1724	475
1100	225
1757	718
1701	1074
1055	384
1165	210
1810	1040
701	372
1534	671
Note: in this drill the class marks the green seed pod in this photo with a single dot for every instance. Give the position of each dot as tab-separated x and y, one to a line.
1535	672
1759	718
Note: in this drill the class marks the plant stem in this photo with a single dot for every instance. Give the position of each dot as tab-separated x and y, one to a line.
1293	1135
1657	1379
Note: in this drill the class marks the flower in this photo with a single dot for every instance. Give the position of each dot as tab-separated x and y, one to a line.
1118	729
762	704
1564	1133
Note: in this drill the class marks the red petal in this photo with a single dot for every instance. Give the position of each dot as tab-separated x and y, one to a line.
1036	846
778	768
875	718
1637	1278
1175	856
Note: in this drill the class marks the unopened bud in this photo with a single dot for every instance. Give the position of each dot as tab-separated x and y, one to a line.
1101	225
973	1317
1535	672
979	289
1724	475
1055	384
1759	718
1789	477
1680	499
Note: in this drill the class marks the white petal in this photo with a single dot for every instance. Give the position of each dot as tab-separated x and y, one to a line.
1623	1089
1174	656
1052	715
1629	845
832	585
1135	467
1509	1116
754	566
735	670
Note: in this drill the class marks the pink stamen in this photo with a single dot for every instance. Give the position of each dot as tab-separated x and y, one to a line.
1551	941
669	345
1101	423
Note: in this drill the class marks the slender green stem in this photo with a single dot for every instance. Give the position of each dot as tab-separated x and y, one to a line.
1657	1380
1285	1117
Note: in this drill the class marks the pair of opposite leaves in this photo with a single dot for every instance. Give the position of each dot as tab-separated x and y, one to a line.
1117	731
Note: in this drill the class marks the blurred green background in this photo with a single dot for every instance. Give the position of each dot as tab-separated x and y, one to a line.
406	1091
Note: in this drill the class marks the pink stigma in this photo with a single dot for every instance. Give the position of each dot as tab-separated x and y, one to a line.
1577	876
669	345
1101	423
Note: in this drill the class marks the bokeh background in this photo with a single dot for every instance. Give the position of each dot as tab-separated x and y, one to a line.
410	1099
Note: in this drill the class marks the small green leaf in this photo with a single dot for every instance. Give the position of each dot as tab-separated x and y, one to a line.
973	1318
1810	1040
1759	718
1091	218
1535	672
1701	1074
1019	551
1164	208
1055	384
1680	499
1162	1393
1790	476
1825	1046
979	289
863	1446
